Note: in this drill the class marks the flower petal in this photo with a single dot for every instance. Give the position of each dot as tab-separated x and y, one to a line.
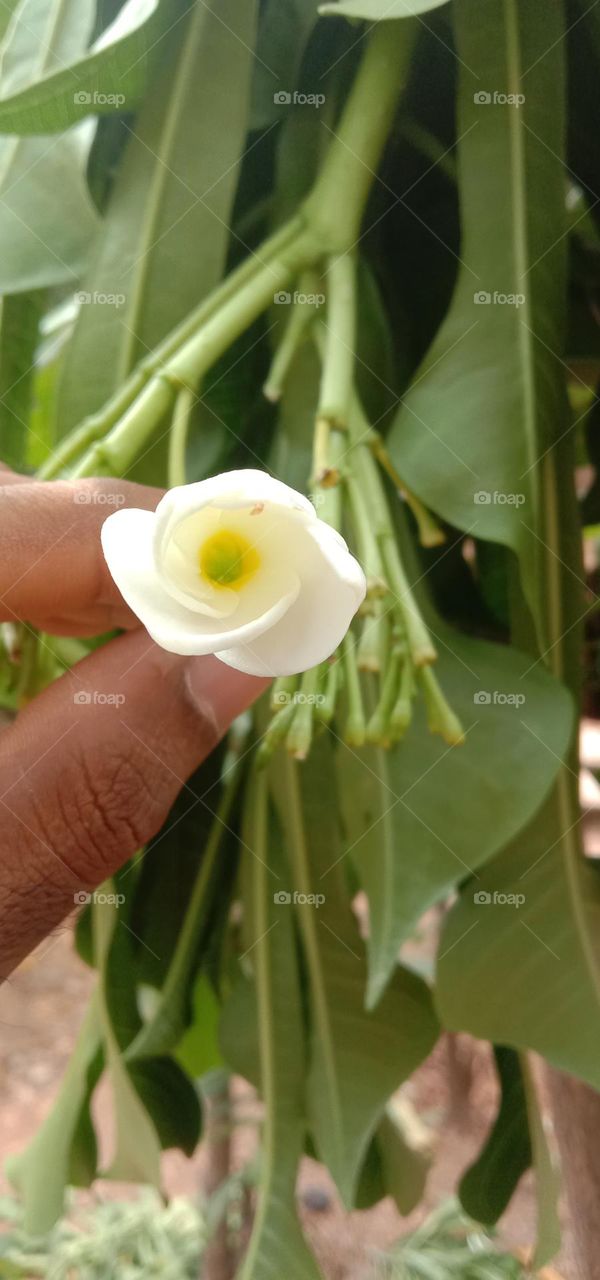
230	490
333	588
127	542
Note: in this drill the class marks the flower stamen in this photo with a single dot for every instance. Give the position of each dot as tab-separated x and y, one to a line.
227	559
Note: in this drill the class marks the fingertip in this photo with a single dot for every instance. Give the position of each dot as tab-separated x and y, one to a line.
229	692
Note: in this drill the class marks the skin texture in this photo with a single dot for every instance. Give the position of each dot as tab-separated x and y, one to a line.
84	781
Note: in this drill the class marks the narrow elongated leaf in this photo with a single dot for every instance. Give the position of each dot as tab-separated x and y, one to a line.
547	1179
168	872
357	1058
284	29
42	178
108	77
489	396
277	1247
527	970
42	1172
164	239
19	318
198	1050
137	1154
393	1166
410	839
378	10
170	1098
6	14
488	1185
531	976
523	936
172	1013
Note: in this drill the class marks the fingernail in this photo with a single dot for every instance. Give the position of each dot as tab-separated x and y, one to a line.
228	692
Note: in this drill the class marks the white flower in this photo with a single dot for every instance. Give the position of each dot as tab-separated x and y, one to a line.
240	566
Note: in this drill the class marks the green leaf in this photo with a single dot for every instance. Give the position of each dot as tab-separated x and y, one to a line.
19	319
41	1173
42	179
171	1015
487	1186
357	1058
109	77
547	1179
378	10
404	1165
238	1027
284	29
277	1247
410	839
168	871
137	1154
198	1050
489	396
528	974
6	13
164	239
171	1100
393	1165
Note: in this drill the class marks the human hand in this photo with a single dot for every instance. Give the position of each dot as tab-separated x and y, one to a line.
85	780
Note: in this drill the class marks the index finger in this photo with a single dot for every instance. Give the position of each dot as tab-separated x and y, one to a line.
52	571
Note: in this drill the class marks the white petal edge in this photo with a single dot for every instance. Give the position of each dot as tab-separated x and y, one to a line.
127	542
230	489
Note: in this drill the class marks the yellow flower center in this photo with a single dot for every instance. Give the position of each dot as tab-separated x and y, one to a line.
228	559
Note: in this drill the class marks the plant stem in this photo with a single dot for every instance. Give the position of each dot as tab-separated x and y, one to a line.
420	644
340	337
354	733
371	653
97	424
440	716
419	641
217	1262
378	731
168	1021
368	549
178	437
326	709
113	454
303	312
336	203
300	732
430	533
327	224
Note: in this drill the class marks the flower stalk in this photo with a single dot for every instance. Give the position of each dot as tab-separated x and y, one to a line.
355	730
301	317
326	225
